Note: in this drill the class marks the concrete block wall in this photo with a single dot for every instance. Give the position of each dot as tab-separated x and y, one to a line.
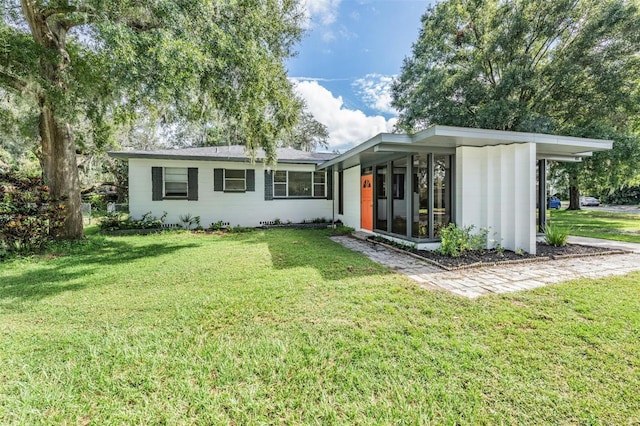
242	208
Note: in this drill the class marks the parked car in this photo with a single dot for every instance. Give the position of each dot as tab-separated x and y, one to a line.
554	203
589	201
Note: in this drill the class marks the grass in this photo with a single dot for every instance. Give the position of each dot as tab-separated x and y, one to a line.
599	224
285	326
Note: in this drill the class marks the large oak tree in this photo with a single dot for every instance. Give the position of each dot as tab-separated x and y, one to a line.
85	63
570	67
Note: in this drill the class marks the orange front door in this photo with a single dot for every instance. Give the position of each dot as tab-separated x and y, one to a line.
366	202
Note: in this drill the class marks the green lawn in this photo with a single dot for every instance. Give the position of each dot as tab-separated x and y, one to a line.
599	224
286	326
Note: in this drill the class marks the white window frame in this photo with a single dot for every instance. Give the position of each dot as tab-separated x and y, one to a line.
243	179
313	185
165	174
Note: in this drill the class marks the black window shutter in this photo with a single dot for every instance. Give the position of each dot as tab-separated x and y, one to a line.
329	184
218	179
268	185
251	180
156	184
192	191
341	192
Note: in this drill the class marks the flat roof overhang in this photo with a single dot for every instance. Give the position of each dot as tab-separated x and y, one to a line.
445	139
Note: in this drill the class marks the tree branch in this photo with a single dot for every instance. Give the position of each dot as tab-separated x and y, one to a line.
65	9
13	82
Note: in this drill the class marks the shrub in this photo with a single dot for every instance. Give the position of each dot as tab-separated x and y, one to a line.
217	226
187	220
115	221
29	217
455	240
555	236
342	230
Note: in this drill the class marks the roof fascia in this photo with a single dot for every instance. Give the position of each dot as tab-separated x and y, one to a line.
366	145
126	155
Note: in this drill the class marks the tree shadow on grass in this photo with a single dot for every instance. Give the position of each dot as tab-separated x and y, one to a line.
56	275
295	248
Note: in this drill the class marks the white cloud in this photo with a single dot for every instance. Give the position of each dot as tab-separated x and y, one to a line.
328	36
347	127
375	90
323	11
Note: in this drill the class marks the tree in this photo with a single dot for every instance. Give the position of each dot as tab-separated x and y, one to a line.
570	67
88	62
308	134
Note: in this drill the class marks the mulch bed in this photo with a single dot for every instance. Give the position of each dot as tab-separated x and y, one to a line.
478	258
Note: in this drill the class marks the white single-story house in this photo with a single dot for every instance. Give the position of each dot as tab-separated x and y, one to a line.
405	187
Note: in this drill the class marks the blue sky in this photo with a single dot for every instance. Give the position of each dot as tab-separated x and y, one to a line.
346	61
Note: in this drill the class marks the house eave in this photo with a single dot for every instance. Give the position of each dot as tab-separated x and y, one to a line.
127	155
446	139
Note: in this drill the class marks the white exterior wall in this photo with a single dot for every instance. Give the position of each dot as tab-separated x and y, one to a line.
351	216
242	208
496	190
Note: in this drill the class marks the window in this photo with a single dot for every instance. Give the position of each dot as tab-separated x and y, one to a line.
290	184
176	182
235	180
319	184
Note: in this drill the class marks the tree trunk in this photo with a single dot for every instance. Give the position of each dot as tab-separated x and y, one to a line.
574	191
60	170
59	166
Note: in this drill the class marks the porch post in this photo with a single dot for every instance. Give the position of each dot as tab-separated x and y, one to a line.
408	190
431	194
542	195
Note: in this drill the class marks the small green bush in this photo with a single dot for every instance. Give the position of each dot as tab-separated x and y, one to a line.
555	236
342	230
116	221
217	226
187	220
455	240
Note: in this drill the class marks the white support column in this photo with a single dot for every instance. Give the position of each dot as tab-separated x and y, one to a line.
495	189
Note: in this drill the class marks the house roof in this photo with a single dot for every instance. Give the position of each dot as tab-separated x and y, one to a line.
227	153
445	139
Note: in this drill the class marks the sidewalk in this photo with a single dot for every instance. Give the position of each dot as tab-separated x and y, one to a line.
502	278
616	245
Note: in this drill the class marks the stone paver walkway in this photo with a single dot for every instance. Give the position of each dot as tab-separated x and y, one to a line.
494	279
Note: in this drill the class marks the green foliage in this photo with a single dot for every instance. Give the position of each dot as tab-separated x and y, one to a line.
308	134
455	240
550	66
342	230
555	235
116	221
29	217
187	220
530	65
217	226
628	195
